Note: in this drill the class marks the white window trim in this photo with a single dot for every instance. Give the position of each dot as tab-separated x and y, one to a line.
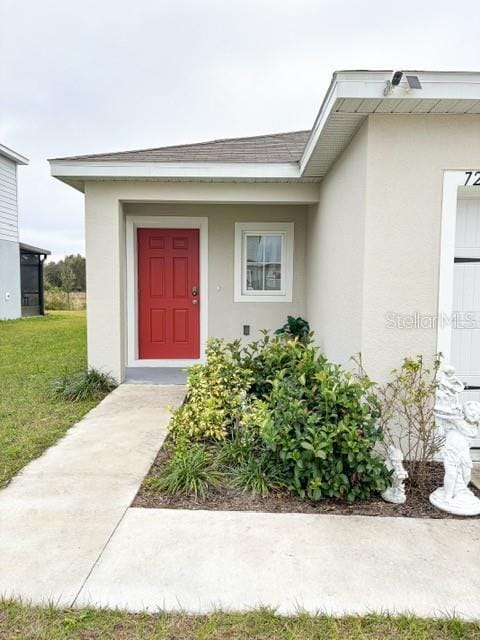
453	187
162	222
286	230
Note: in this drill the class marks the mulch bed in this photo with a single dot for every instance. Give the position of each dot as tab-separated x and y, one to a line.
228	498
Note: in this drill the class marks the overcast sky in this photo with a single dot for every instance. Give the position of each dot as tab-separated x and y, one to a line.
101	75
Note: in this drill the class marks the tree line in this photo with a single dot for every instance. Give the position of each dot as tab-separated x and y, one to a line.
68	274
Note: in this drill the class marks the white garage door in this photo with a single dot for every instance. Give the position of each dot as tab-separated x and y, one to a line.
465	354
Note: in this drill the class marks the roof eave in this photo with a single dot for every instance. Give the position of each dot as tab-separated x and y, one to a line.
29	248
348	88
79	171
13	155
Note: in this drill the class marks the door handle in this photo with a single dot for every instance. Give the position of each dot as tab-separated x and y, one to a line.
194	301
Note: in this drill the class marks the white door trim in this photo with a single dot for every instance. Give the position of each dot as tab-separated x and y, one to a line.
453	182
166	222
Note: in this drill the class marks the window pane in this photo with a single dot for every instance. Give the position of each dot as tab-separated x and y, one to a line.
273	277
254	249
255	277
273	248
264	258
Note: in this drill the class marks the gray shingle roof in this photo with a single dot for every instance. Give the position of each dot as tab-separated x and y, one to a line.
277	147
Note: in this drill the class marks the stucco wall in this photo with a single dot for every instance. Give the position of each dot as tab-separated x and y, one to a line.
407	156
226	317
106	265
372	243
104	235
10	280
335	254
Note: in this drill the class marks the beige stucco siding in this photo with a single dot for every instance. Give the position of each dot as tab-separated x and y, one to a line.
335	254
226	317
104	241
407	156
367	242
373	241
108	203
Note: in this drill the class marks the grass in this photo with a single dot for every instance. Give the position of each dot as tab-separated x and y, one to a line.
34	623
33	353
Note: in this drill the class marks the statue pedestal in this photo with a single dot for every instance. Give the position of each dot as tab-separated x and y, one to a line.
395	496
465	503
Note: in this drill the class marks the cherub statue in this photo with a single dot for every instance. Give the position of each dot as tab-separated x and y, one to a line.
458	426
394	461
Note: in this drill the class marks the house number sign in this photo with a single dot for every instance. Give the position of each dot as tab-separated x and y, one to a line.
472	179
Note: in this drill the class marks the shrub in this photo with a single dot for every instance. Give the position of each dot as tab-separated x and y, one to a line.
216	392
407	415
282	415
319	424
295	327
90	384
190	471
266	357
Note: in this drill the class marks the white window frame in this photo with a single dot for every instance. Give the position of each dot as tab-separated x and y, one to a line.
244	229
453	187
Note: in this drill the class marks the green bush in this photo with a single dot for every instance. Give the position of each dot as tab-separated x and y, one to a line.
192	470
216	392
282	415
90	384
318	422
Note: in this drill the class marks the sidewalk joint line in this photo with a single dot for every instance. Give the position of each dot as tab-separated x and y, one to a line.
100	555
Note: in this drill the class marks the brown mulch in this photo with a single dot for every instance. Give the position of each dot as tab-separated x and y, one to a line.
227	498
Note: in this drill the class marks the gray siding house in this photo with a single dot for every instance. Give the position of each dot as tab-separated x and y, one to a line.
10	293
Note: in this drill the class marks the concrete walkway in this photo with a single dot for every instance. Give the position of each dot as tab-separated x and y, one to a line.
58	514
67	535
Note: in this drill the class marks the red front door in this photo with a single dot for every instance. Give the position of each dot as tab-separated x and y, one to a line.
169	293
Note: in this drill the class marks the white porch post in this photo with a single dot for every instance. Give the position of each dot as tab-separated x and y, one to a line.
104	236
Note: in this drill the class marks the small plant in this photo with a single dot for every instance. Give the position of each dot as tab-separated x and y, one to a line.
216	392
407	415
90	384
191	470
295	328
258	475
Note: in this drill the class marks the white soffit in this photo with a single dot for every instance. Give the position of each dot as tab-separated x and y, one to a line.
353	95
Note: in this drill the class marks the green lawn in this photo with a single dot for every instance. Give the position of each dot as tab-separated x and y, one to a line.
33	352
17	621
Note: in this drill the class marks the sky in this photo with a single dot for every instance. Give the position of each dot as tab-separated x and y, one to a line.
92	76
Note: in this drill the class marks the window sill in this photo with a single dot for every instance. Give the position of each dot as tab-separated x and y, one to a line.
260	298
